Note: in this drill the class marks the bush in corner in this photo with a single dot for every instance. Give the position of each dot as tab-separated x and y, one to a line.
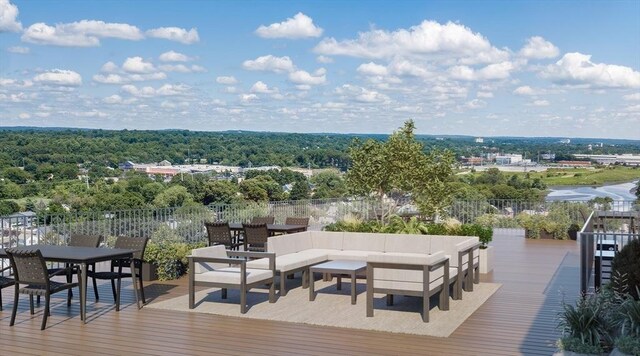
627	263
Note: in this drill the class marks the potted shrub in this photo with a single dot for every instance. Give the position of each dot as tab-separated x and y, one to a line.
586	326
573	231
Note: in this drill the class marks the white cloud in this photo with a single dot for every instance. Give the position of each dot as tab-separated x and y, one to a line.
149	76
226	80
476	104
24	115
539	48
113	99
59	77
9	17
494	71
181	68
484	94
635	96
246	98
324	59
577	69
359	94
524	90
175	34
305	78
270	63
540	103
300	26
110	79
109	67
262	88
372	69
137	65
19	50
430	37
173	56
165	90
14	83
85	33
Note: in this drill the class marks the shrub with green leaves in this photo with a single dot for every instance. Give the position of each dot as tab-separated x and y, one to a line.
627	263
586	325
168	252
629	345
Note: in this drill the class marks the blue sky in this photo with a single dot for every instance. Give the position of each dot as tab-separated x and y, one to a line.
484	68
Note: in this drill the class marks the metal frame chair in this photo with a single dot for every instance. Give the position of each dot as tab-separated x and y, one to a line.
30	268
255	237
293	220
5	282
263	220
219	233
125	242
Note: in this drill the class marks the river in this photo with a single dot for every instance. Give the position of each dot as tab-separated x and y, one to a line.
615	191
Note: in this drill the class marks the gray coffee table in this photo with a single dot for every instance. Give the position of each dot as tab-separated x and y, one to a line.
338	268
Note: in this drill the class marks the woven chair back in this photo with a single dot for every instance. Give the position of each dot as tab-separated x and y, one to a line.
263	220
256	236
28	266
218	233
81	240
291	220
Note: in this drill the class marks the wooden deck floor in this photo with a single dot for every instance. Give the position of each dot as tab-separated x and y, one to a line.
518	319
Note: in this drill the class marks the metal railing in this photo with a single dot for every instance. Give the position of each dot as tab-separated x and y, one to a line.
187	222
603	235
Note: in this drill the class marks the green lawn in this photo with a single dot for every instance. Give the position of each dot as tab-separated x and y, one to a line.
582	176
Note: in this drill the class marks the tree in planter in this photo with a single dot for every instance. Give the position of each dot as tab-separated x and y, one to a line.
400	164
168	252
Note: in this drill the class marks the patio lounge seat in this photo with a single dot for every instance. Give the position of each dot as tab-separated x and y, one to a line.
418	275
213	267
4	283
219	233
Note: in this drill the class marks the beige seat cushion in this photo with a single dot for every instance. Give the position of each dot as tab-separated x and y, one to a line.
217	251
292	261
408	286
406	275
231	275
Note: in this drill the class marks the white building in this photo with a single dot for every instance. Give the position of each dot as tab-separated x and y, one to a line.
507	159
479	140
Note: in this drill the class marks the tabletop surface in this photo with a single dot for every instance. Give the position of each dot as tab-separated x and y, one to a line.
238	226
341	265
76	253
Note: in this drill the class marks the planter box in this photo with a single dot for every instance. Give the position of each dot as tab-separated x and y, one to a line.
149	272
486	259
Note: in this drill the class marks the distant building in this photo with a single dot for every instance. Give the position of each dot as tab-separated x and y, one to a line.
262	168
164	163
472	161
626	159
479	140
565	141
548	156
508	159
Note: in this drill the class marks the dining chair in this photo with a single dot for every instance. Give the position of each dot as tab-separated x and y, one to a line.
219	233
30	269
5	282
115	273
255	237
263	220
292	220
79	240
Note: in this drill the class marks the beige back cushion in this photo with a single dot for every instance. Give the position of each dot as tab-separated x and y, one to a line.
362	241
301	241
328	240
281	245
217	251
451	245
406	243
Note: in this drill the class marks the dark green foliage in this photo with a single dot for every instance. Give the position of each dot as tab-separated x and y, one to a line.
357	226
576	345
8	207
587	324
627	263
300	191
629	345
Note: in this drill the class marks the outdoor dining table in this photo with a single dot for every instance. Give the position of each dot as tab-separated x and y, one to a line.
84	256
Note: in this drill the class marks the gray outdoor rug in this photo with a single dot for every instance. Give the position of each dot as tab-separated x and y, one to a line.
333	307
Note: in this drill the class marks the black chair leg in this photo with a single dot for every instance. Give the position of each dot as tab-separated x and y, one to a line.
14	311
113	289
46	311
0	299
144	301
31	303
95	288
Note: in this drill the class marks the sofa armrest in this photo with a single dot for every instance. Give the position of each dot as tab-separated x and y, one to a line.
199	259
256	255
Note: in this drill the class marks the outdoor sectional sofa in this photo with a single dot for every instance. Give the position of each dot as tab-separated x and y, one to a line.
391	260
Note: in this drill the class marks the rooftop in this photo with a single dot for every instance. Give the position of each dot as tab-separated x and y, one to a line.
518	319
